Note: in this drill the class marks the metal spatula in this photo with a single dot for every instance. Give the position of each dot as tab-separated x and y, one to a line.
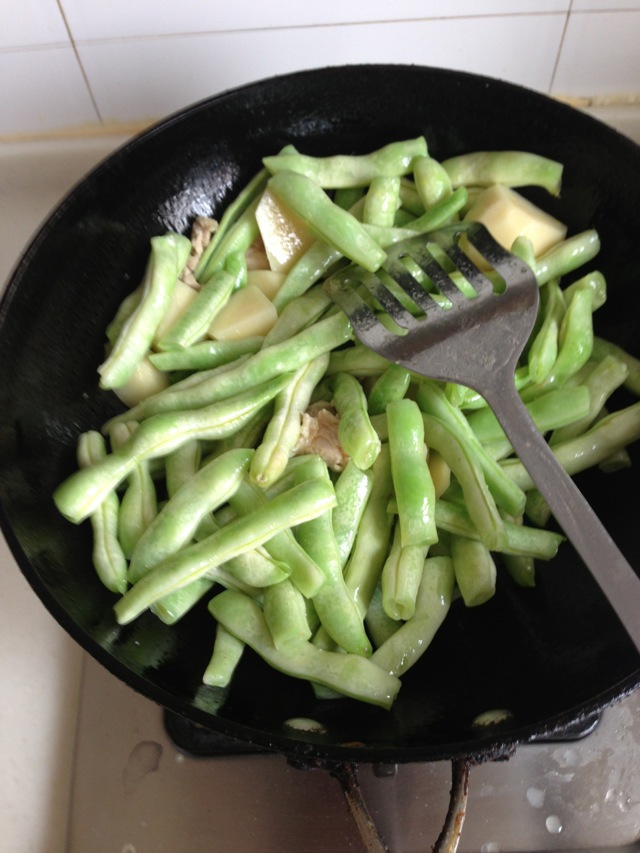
476	338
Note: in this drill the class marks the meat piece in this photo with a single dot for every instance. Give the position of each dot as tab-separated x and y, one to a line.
319	436
202	231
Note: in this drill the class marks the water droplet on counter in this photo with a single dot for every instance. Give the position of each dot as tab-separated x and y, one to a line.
553	824
619	798
566	756
535	796
143	759
490	847
128	848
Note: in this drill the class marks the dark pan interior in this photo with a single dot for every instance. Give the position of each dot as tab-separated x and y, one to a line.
548	655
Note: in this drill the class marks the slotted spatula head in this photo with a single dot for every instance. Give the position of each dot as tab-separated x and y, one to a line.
452	320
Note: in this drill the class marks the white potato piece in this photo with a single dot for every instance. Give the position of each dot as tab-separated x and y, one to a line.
146	380
247	313
507	215
268	281
284	234
182	297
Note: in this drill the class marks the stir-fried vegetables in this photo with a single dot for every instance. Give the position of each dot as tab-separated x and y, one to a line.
326	505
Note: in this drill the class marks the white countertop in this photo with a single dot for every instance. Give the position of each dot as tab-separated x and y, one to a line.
40	666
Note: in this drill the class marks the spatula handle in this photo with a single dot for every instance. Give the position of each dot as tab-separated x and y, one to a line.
572	511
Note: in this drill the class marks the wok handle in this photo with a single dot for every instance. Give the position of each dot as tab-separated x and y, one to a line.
449	838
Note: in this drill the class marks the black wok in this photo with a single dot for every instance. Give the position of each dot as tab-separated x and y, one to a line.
551	655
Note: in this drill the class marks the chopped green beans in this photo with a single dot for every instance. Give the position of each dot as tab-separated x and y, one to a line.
351	675
327	505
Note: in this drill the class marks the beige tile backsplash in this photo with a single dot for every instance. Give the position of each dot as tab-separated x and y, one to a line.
85	65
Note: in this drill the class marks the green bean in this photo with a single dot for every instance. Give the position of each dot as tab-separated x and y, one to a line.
355	433
298	314
512	168
263	366
243	200
344	170
283	430
465	465
353	489
380	626
347	197
520	539
401	576
169	254
403	648
606	436
567	256
602	381
521	567
432	181
205	355
602	347
441	213
300	504
181	465
84	490
357	360
226	655
543	350
174	606
326	220
553	410
351	675
382	201
194	322
285	614
308	269
125	310
474	569
522	248
432	400
412	482
575	345
108	558
176	523
595	282
393	384
283	547
334	604
371	544
138	504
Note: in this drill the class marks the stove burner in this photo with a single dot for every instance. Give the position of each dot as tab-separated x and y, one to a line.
199	741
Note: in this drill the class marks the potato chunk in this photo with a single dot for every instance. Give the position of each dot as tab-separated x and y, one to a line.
247	313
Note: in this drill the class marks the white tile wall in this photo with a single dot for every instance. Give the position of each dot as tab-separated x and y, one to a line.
208	63
65	64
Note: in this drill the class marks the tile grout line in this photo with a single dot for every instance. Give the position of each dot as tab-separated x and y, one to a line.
79	61
554	70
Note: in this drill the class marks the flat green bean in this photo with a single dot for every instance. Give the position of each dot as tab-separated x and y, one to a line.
340	170
412	482
226	655
512	168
